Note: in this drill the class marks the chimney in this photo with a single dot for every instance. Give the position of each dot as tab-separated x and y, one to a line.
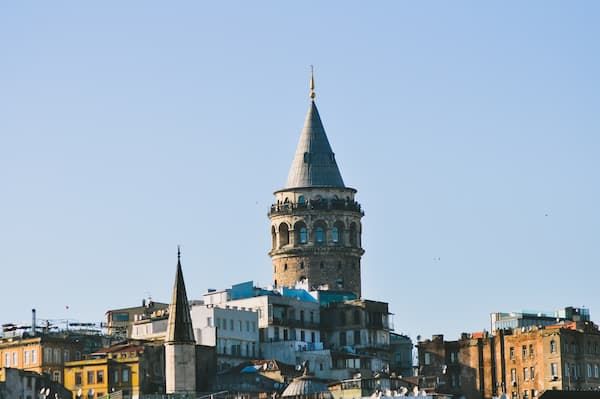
33	321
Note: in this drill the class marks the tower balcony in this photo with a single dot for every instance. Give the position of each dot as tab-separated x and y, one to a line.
322	205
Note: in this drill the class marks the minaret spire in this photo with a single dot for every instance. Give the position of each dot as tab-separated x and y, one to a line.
312	83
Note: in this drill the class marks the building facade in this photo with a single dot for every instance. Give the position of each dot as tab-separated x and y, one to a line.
315	220
46	353
521	363
133	369
232	330
120	322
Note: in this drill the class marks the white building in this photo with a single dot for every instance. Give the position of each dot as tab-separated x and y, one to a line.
288	322
232	330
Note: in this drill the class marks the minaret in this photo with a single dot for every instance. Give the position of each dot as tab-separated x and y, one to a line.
180	345
315	221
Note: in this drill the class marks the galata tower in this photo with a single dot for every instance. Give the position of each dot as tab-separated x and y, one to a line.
315	220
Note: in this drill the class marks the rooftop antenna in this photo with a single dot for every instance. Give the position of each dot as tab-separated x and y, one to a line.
312	83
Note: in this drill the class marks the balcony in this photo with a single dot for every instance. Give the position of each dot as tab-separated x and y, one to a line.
323	205
286	322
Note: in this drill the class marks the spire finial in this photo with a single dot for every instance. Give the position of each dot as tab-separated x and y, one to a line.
178	253
312	83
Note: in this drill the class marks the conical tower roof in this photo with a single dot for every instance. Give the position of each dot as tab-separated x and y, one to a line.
179	328
314	163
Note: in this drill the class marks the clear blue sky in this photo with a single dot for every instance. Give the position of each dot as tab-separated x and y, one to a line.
471	131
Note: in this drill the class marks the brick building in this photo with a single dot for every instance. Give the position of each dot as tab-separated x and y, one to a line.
523	362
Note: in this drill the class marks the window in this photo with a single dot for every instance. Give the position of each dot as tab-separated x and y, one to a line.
554	370
524	351
77	378
526	373
356	337
66	356
532	372
302	335
120	317
567	373
284	235
589	370
531	352
276	333
343	338
427	359
312	339
100	376
247	326
231	324
240	325
552	346
356	317
90	377
125	375
301	200
303	235
302	315
596	371
116	376
512	353
343	317
335	235
301	265
513	375
312	317
57	356
15	359
34	356
7	360
453	357
56	376
319	235
26	359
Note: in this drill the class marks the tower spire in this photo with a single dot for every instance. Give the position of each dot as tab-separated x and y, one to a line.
312	83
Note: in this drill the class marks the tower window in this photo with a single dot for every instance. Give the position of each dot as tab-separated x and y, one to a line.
301	265
285	266
303	235
319	235
301	200
335	235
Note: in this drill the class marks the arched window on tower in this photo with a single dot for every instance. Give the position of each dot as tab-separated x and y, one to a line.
273	238
337	233
284	235
319	233
301	233
352	234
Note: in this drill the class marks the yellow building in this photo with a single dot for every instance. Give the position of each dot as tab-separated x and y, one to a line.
42	354
131	368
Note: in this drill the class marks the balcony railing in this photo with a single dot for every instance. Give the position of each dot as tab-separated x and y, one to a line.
287	322
324	205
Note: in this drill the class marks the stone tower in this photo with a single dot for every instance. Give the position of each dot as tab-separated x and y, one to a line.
315	220
180	345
